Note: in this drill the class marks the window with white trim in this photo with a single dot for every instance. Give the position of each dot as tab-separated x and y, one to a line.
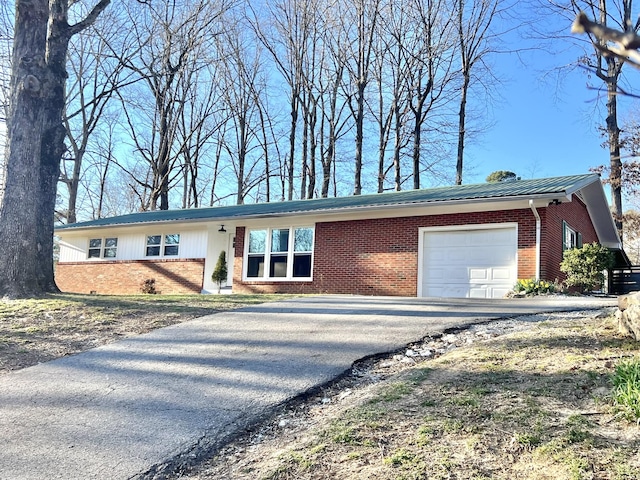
570	237
102	248
163	245
279	253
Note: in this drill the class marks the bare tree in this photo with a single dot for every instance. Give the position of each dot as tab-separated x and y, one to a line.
359	24
35	142
93	79
475	38
284	33
333	119
432	71
197	124
174	42
240	75
605	65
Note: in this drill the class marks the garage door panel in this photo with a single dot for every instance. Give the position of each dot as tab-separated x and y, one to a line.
446	275
452	291
479	274
478	263
502	273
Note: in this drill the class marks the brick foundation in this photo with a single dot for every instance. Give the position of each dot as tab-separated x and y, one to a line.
174	276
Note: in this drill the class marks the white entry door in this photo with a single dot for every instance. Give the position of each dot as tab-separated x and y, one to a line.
469	263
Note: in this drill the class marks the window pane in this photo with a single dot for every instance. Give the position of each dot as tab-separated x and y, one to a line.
153	251
173	239
255	266
171	250
257	241
154	239
280	240
302	265
110	242
95	243
303	240
278	267
94	253
109	253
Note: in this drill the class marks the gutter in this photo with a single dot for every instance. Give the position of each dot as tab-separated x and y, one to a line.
538	228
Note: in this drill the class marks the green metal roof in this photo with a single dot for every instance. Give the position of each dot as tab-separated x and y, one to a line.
560	186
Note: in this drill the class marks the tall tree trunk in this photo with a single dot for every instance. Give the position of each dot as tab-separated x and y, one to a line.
305	151
613	133
313	146
357	182
397	145
292	143
34	147
417	141
461	127
35	143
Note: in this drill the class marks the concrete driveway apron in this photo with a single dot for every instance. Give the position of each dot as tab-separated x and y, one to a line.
136	406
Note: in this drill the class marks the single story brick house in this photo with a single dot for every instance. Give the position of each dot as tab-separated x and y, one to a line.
461	241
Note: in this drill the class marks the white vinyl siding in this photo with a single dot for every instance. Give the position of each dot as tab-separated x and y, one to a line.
193	244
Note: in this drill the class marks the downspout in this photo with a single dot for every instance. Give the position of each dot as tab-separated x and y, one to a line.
538	223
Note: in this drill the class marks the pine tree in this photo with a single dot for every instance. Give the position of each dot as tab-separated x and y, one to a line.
219	274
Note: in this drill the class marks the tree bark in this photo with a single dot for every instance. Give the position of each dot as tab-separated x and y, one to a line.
35	143
613	133
462	115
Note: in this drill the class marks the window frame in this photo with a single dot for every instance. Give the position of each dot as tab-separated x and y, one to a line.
163	245
102	248
574	237
267	255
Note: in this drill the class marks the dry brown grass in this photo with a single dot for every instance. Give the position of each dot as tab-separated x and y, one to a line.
530	405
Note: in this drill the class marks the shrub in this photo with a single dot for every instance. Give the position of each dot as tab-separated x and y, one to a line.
149	286
585	266
219	274
534	287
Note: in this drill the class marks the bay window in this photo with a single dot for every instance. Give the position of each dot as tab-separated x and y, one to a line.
279	253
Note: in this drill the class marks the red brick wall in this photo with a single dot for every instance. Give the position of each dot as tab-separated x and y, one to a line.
126	277
380	256
576	215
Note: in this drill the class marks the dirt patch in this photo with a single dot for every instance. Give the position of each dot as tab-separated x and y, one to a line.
39	330
530	404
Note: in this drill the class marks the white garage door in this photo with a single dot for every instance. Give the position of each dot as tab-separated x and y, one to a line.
469	263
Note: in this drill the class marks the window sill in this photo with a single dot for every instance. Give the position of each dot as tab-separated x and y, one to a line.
276	280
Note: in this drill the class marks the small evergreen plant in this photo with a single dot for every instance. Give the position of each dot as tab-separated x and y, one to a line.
585	266
219	274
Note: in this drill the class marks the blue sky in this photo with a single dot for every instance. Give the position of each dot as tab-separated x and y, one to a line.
545	122
542	128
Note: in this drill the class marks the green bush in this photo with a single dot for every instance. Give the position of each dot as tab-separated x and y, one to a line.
534	287
585	266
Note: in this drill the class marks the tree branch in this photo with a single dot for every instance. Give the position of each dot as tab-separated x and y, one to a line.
625	43
90	18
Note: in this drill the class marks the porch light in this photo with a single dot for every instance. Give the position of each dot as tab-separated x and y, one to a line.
222	229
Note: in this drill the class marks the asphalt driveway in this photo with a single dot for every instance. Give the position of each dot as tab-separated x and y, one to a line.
129	409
